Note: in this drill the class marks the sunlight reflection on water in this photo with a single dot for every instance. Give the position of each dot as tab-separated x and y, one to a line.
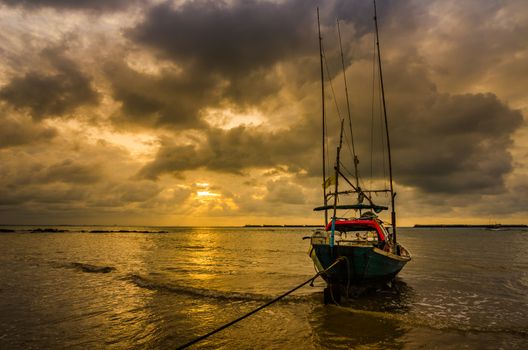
159	290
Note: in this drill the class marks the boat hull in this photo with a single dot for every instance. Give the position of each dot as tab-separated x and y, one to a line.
364	266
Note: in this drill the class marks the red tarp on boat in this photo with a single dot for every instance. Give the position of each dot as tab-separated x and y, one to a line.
351	225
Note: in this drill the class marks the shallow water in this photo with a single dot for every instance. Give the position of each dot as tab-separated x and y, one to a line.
464	288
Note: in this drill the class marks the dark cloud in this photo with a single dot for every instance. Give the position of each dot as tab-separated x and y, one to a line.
225	53
70	171
47	94
456	144
44	196
17	130
35	182
285	192
179	98
236	53
483	45
451	145
71	4
28	180
170	98
236	150
442	143
446	143
231	39
37	172
400	13
117	195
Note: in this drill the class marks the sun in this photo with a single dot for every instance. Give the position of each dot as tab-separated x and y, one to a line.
206	194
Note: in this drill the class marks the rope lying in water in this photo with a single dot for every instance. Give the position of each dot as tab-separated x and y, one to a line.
194	341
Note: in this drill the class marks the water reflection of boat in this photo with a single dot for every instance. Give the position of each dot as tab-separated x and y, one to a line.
364	329
396	299
386	310
371	254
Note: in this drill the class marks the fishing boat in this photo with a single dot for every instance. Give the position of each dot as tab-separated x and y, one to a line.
367	246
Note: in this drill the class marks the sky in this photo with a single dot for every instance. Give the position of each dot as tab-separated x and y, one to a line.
209	113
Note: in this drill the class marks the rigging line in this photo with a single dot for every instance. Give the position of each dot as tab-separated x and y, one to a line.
327	147
348	105
324	138
326	143
377	110
332	90
367	197
327	154
331	85
346	170
357	189
323	59
382	137
372	109
347	141
349	148
348	144
389	158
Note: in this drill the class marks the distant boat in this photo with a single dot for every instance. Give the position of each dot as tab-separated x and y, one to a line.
371	255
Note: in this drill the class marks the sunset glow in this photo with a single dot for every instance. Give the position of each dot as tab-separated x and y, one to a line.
207	194
109	116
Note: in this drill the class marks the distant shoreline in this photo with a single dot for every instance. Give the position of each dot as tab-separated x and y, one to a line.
5	228
250	226
471	226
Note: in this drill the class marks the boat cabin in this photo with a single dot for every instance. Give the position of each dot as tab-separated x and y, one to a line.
362	231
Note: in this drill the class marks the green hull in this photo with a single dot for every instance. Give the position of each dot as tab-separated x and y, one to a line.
364	265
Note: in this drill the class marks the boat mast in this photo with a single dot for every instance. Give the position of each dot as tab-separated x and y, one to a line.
336	185
323	115
356	160
393	194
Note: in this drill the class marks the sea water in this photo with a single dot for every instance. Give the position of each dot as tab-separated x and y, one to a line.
160	287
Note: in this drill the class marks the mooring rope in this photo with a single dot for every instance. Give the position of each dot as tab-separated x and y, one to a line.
196	340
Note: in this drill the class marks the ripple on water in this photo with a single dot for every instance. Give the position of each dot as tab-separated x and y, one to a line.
84	267
153	284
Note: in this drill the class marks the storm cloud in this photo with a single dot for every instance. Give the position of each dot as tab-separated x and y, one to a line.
236	150
54	93
174	111
231	39
168	99
457	144
19	130
225	54
100	5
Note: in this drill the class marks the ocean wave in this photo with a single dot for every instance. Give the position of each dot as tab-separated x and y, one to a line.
6	230
47	230
125	231
89	268
436	323
146	283
191	247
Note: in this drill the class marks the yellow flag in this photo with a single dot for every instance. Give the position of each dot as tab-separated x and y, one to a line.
329	182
